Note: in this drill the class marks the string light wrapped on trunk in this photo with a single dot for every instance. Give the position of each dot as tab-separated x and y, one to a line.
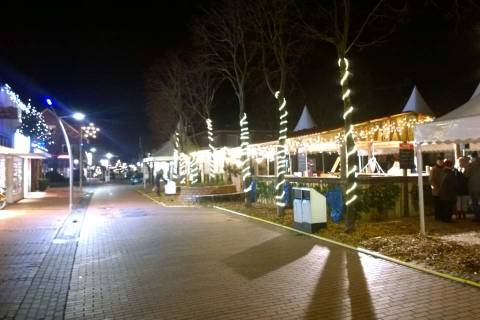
193	177
281	151
244	142
350	147
211	171
183	168
176	155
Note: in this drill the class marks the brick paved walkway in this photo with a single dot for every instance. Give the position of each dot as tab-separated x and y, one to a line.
136	260
37	248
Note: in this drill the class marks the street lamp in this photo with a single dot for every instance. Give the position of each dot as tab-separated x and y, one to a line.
89	131
76	116
108	156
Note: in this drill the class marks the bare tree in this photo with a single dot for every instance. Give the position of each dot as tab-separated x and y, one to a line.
169	90
280	44
203	83
337	25
225	36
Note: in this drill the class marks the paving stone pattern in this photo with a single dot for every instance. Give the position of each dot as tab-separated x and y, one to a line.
137	260
36	261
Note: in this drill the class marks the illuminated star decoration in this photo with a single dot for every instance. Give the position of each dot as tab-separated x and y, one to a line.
90	131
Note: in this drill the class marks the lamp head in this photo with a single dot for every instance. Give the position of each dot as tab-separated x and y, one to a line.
78	116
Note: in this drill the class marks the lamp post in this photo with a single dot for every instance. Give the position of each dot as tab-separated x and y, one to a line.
108	156
92	151
77	116
86	132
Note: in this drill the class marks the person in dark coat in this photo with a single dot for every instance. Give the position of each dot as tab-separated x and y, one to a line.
472	172
158	180
462	188
448	192
435	179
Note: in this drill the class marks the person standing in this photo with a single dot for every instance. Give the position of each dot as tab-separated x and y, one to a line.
462	191
435	179
472	172
447	192
158	180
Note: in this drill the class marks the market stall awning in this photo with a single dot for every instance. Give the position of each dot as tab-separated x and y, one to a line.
461	125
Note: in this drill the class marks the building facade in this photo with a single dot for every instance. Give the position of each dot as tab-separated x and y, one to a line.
20	164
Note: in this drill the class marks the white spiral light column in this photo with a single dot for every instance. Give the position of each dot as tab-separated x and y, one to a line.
350	147
193	176
281	151
245	141
176	156
183	168
211	171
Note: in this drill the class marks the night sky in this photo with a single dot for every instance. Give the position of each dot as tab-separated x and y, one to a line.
95	58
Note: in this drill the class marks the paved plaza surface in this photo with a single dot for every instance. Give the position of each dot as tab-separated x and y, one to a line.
129	258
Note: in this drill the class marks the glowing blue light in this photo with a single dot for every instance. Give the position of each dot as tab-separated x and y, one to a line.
49	101
78	116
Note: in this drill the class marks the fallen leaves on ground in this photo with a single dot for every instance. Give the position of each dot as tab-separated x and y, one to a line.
456	258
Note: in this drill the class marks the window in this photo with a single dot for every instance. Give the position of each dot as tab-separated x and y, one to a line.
232	140
17	175
5	141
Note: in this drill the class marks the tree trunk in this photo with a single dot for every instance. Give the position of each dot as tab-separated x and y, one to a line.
246	172
350	152
281	154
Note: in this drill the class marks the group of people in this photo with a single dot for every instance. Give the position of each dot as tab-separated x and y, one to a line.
456	190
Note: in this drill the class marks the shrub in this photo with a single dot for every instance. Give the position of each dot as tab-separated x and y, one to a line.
42	184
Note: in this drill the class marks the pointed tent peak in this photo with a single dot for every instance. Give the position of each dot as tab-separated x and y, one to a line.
416	103
306	121
476	92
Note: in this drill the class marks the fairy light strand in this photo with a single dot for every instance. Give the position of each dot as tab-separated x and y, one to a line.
351	148
176	155
244	143
281	151
211	171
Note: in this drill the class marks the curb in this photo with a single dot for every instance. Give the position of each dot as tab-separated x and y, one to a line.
163	204
361	250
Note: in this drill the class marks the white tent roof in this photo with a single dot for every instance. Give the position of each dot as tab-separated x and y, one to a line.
476	92
305	122
461	125
416	103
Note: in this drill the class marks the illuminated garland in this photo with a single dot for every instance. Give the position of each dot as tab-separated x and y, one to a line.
14	98
281	152
244	142
193	177
211	171
183	168
176	155
34	126
350	147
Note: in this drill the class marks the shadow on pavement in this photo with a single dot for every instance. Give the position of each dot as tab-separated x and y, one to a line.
269	256
342	290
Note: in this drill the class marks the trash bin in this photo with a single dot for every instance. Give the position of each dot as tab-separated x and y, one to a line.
335	202
171	187
309	210
253	192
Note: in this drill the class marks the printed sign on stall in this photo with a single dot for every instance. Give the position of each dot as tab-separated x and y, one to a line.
406	156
